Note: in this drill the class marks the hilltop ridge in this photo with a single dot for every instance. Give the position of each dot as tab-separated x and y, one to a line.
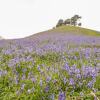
76	29
1	38
68	30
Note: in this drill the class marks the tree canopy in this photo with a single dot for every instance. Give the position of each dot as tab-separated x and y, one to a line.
73	21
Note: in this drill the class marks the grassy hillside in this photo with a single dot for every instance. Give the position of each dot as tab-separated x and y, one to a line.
77	30
53	65
1	38
67	30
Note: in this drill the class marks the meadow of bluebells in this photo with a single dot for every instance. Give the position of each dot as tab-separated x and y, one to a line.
52	66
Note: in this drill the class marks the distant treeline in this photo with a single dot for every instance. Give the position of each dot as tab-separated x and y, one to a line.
73	21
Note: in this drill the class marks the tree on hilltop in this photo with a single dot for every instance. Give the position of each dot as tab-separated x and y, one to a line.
73	21
79	24
60	23
67	22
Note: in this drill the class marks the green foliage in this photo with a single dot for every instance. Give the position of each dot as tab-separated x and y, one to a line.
73	21
60	23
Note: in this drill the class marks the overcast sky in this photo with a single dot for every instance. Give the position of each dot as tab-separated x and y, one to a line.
20	18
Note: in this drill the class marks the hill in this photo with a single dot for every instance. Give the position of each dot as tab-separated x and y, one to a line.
77	30
1	38
70	30
58	64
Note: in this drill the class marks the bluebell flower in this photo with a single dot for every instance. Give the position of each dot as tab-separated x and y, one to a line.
48	79
78	76
46	88
71	81
62	96
66	67
90	84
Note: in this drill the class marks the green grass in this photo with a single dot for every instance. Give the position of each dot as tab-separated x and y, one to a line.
78	30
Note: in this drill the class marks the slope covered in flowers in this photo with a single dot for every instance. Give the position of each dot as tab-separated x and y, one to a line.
58	64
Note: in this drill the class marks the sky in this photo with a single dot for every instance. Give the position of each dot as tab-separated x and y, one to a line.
21	18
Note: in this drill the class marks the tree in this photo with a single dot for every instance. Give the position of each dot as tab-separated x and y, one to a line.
67	22
70	21
74	19
60	23
79	24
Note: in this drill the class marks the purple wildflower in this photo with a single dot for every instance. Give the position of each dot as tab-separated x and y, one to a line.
71	81
48	79
46	88
62	96
66	67
90	84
